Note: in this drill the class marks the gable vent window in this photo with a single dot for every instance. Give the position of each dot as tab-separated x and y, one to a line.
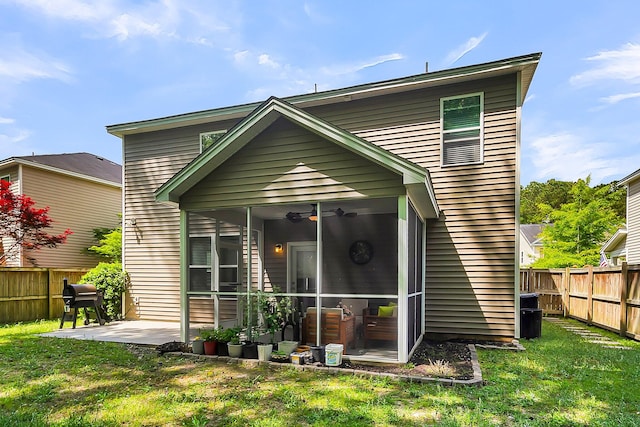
210	138
461	118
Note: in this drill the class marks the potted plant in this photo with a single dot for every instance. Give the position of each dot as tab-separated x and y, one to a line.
209	337
197	346
234	346
223	336
274	311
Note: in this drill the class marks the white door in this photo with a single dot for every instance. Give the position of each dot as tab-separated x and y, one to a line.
302	267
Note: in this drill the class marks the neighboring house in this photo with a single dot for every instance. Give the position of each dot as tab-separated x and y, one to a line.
82	191
615	249
530	243
632	182
400	193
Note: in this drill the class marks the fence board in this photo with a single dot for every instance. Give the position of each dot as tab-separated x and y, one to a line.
28	294
608	297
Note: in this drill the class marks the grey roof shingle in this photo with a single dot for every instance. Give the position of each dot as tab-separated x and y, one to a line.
531	232
81	163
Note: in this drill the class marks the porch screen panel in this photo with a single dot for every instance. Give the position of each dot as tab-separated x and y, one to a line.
415	266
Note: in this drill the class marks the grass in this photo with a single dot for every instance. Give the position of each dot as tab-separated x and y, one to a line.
561	380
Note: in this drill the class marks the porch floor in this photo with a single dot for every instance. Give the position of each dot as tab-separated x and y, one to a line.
145	332
148	332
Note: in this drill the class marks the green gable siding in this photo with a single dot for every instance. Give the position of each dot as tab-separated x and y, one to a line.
286	163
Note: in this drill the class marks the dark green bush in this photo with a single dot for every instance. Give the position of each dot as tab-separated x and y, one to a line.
112	281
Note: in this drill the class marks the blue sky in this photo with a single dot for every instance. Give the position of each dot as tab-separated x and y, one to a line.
68	68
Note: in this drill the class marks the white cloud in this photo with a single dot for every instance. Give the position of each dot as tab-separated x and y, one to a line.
14	144
76	10
352	68
566	156
19	65
463	49
265	59
170	19
622	64
614	99
6	121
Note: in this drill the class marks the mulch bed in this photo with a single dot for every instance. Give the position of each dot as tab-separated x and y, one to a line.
432	359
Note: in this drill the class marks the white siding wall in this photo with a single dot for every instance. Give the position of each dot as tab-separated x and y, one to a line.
633	223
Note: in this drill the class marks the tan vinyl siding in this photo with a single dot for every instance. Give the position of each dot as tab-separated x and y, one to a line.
470	263
6	243
152	245
77	204
286	157
470	259
633	222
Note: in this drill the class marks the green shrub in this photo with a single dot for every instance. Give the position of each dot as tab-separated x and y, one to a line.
112	281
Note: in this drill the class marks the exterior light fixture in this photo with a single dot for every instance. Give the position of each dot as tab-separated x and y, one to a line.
279	248
313	216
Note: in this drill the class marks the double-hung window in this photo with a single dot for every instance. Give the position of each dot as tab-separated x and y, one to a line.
461	118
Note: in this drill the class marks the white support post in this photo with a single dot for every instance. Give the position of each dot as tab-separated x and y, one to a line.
184	276
403	274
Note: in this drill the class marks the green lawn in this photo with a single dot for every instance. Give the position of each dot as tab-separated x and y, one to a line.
560	380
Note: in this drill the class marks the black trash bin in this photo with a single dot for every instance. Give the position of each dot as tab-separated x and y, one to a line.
530	323
528	300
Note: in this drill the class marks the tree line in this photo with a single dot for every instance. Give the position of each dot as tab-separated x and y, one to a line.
578	219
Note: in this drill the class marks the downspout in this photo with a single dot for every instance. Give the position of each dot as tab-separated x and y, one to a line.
516	263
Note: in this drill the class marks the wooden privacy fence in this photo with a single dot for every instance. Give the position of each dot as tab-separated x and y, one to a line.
608	297
33	293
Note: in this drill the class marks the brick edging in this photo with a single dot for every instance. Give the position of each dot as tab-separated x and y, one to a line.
475	381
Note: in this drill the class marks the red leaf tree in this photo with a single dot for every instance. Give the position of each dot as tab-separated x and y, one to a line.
22	225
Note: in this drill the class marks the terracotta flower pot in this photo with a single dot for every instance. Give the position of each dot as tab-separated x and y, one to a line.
210	348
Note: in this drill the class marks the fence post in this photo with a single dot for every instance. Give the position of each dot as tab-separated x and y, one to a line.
590	295
624	289
50	294
529	279
566	284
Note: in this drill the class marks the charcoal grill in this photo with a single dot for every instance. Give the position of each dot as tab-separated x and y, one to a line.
77	297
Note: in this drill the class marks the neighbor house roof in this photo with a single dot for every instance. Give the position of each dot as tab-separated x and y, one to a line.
629	178
524	65
531	232
415	178
82	165
616	241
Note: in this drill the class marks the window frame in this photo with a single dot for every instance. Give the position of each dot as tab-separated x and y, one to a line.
215	132
5	177
479	127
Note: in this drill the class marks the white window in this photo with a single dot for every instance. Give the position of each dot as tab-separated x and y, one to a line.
209	138
200	278
461	119
226	263
5	178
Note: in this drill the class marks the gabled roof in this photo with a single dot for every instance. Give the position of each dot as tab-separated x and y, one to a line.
82	165
620	236
630	178
524	65
415	178
531	233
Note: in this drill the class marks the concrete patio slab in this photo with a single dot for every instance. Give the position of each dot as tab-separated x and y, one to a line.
143	332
